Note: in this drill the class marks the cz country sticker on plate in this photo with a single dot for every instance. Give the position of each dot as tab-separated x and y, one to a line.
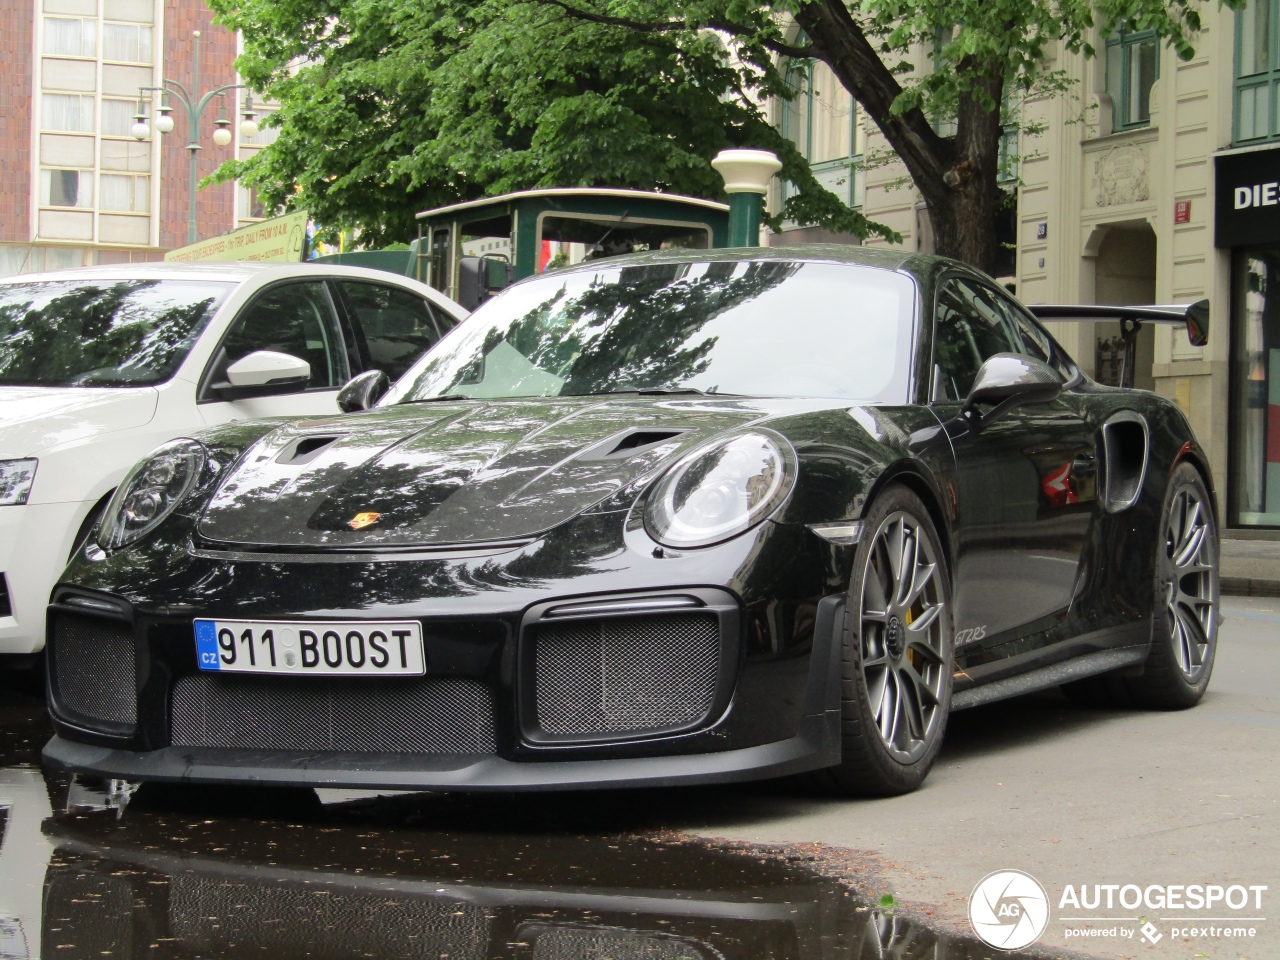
363	648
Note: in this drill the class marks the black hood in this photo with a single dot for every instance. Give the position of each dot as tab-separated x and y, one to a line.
454	472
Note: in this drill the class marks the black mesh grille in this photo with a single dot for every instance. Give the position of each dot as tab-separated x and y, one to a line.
225	917
387	715
573	943
6	609
96	673
626	674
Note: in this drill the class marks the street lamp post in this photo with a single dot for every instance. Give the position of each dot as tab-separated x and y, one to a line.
193	104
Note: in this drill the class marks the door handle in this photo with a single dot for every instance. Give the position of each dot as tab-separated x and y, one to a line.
1085	463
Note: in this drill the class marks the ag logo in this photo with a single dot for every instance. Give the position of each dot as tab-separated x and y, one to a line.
1008	910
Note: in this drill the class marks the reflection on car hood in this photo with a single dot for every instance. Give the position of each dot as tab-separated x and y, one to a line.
33	419
447	473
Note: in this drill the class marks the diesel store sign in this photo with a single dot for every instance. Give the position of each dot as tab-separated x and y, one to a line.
1248	198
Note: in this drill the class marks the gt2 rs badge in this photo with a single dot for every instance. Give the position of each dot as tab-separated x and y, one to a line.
972	634
362	520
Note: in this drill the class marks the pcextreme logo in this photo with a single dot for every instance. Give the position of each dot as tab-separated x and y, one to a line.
1009	909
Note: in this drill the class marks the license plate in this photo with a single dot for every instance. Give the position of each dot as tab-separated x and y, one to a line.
313	647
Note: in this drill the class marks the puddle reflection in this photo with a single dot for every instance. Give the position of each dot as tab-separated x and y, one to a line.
87	870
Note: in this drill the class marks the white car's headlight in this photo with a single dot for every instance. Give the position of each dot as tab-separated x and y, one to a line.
720	490
150	492
16	477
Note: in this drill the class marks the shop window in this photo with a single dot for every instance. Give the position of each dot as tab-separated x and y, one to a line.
65	37
1255	387
822	121
66	188
66	112
1257	72
1133	66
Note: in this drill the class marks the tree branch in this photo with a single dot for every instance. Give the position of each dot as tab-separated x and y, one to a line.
841	43
777	46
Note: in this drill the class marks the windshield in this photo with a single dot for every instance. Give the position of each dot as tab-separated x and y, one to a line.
101	333
754	328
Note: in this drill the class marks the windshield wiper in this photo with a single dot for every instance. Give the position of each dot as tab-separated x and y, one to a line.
439	399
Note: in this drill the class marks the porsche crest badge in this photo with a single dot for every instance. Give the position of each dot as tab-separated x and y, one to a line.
362	520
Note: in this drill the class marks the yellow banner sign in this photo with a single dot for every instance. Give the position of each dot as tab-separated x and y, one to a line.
280	239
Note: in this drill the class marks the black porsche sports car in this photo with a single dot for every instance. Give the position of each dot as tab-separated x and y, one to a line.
677	517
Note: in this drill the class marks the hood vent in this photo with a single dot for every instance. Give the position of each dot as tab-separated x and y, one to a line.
629	443
306	449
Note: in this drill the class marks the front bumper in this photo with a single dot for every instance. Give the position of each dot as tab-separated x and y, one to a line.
817	744
35	539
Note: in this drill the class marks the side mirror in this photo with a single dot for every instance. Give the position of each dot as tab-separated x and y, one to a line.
479	278
1007	380
263	373
362	391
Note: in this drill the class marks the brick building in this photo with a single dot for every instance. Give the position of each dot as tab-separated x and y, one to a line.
75	186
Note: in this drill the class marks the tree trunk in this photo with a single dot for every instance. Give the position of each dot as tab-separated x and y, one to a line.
958	177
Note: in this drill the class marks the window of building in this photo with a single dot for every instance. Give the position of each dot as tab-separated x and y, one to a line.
117	117
822	121
66	188
66	111
1257	72
126	42
251	207
64	37
121	193
1133	66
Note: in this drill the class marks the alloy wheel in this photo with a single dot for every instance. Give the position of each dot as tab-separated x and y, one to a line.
1192	599
903	641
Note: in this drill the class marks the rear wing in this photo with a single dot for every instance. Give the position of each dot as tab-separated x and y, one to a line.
1193	316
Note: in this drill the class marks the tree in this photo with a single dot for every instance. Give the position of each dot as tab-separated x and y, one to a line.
402	105
983	51
406	104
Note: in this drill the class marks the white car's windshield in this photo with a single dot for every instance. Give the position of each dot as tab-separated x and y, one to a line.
754	328
101	333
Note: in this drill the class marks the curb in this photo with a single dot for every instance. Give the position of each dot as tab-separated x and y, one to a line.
1248	587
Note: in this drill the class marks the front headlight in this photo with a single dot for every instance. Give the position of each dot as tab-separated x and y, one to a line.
720	490
16	477
150	492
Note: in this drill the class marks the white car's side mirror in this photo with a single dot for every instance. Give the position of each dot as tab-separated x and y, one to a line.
263	373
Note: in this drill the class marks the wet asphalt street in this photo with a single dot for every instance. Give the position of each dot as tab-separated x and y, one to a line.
96	870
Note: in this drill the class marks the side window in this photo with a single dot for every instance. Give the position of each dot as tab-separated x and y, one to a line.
1036	340
969	327
292	318
398	325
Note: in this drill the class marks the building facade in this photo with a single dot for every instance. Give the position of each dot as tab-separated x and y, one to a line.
1157	181
76	187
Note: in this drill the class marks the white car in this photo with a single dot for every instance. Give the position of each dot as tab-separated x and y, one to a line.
99	366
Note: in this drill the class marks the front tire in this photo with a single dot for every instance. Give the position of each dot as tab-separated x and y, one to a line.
897	661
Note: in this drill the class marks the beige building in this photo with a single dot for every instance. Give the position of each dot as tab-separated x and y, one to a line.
1150	184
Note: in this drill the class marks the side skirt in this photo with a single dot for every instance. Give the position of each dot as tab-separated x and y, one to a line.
1077	668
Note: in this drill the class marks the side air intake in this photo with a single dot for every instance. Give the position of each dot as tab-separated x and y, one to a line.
1125	445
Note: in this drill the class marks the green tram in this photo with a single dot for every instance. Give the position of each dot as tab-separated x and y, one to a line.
470	250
